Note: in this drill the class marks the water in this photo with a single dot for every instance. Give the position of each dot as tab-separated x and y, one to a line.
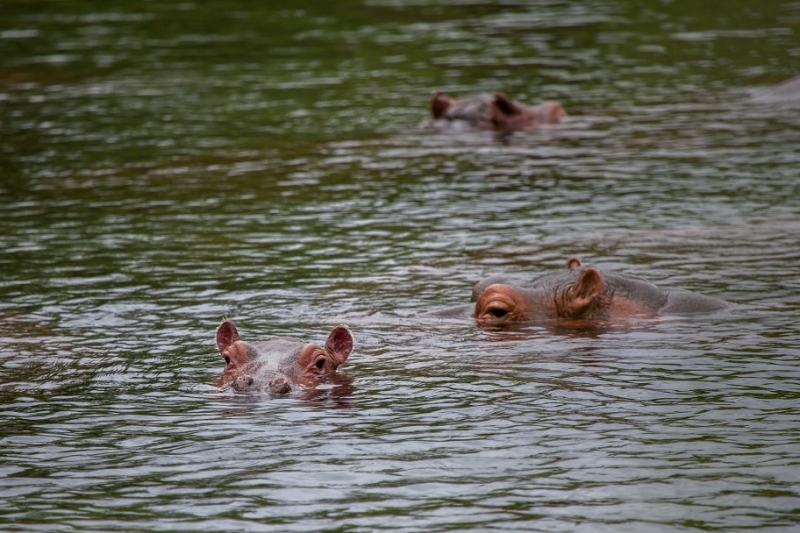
165	165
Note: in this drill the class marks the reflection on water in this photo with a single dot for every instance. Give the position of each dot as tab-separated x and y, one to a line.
165	166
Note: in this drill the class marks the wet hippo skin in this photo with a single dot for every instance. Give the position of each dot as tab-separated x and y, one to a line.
494	111
582	293
282	364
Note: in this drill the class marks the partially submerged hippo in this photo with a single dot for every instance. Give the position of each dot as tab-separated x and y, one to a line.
586	293
494	111
279	365
577	294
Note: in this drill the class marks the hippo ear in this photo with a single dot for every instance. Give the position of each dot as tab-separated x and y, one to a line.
340	344
552	112
505	104
585	292
439	104
573	262
226	335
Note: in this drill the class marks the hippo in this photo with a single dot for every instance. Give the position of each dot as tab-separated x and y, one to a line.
282	364
583	294
577	294
494	111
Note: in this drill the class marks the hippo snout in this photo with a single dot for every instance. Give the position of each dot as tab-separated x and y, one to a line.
279	386
242	383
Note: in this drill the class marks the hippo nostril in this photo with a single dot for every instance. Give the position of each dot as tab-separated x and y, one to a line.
242	383
283	389
280	386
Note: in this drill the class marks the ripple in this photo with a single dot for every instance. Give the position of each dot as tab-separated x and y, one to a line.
294	182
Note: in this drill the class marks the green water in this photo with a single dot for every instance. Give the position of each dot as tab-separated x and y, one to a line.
165	165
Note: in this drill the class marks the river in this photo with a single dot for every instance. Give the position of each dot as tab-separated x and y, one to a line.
164	165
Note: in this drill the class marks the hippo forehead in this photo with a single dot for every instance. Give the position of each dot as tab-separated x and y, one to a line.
470	106
548	283
556	280
281	353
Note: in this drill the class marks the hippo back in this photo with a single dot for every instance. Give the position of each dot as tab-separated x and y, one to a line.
681	302
635	289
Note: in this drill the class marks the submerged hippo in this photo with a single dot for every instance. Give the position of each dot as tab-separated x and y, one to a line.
281	364
586	293
494	111
577	294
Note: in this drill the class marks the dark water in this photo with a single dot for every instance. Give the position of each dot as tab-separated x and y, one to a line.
164	165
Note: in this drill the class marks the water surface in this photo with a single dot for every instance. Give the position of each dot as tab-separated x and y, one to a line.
165	165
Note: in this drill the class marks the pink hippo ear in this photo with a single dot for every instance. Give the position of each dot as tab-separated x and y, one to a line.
505	104
226	335
552	112
340	344
586	293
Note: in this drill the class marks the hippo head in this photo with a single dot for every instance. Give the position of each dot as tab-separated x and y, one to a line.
562	296
494	111
282	364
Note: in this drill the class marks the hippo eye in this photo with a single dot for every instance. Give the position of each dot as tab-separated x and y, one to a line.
320	363
498	312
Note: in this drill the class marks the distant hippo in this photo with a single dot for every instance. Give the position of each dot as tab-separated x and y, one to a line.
586	293
494	111
279	365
